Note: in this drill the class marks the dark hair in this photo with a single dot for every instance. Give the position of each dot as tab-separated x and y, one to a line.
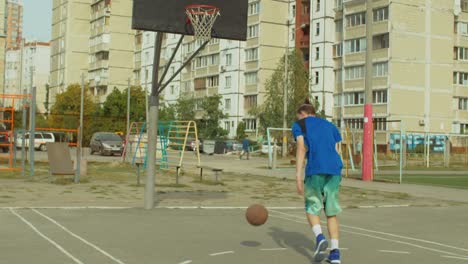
307	108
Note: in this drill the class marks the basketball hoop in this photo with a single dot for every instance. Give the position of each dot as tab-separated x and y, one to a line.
202	18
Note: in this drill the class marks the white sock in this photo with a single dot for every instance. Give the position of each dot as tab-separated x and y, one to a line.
317	230
334	244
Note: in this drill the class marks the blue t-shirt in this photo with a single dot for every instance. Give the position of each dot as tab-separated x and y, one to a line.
245	144
320	140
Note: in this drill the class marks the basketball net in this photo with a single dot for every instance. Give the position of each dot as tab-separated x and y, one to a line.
202	18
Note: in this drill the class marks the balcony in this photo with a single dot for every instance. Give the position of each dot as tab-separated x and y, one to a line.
350	2
99	65
99	47
304	42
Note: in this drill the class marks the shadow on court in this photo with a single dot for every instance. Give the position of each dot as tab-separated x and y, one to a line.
294	240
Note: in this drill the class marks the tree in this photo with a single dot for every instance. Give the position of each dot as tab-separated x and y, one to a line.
167	112
185	108
270	113
65	113
209	124
240	132
114	109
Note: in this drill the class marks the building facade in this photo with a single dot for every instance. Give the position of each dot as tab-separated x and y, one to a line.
14	23
26	67
69	44
111	47
2	43
235	70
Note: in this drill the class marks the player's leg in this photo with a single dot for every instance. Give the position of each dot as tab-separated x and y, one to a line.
313	189
332	209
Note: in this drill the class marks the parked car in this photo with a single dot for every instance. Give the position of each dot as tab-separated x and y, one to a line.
106	144
266	150
40	140
233	145
4	138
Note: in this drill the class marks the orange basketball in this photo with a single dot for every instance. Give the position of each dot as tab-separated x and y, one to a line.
256	214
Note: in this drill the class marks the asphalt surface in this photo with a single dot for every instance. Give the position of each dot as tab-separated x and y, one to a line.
378	235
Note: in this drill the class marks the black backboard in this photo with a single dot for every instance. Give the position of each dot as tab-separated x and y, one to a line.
169	16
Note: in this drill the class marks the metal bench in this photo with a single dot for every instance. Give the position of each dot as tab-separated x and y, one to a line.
216	171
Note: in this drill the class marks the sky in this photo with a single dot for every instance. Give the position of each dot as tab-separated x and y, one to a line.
37	19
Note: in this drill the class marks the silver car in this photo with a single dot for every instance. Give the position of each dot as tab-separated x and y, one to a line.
106	144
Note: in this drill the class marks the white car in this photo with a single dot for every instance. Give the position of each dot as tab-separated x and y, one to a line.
265	149
40	140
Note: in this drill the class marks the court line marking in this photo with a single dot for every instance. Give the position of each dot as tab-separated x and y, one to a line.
388	234
380	238
454	257
272	249
186	262
393	251
79	238
55	244
221	253
67	207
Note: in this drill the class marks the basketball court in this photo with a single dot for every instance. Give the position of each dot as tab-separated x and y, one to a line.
221	235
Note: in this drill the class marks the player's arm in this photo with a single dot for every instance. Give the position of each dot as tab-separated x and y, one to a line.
300	158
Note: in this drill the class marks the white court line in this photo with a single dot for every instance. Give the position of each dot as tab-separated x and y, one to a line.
67	207
453	257
221	253
47	238
79	238
393	252
272	249
389	234
380	238
186	262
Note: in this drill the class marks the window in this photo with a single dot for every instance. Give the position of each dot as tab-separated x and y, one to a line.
228	81
213	59
461	53
212	81
380	124
227	104
293	10
462	103
354	98
379	97
250	101
338	4
251	78
460	78
464	128
354	123
317	53
317	7
464	5
357	19
381	41
354	73
227	126
317	77
250	124
339	26
213	41
317	29
252	31
199	83
172	89
381	14
201	62
380	69
251	54
254	8
228	59
338	50
47	136
355	45
462	28
337	100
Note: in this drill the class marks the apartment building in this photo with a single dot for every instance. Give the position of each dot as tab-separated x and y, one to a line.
236	70
26	67
419	64
14	23
111	47
2	43
69	44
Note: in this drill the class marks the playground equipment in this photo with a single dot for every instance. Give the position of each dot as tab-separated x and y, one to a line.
176	141
7	132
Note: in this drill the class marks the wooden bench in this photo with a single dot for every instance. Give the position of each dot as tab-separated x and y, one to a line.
216	171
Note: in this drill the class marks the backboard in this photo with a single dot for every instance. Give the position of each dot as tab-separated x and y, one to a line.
169	16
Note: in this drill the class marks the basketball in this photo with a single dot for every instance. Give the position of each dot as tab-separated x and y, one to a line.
256	214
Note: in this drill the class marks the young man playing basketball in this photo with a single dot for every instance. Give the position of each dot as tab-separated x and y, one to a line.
317	141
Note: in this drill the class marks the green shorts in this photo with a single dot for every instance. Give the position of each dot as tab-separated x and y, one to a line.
322	191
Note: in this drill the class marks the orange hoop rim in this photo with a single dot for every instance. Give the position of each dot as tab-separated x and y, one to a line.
190	9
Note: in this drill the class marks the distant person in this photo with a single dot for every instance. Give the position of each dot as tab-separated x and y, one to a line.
245	148
317	141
